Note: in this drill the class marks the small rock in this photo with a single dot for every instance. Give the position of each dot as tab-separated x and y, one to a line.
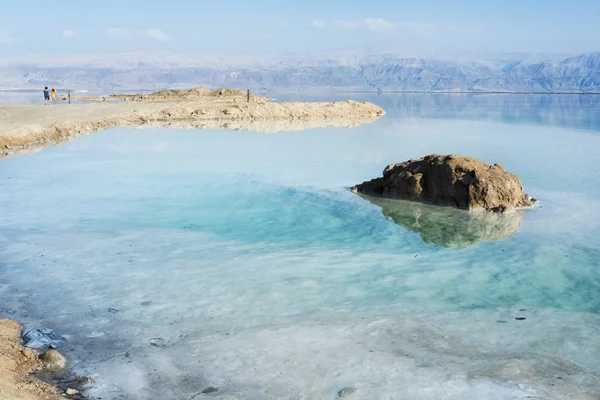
145	303
54	361
71	391
209	389
113	310
520	318
158	342
347	392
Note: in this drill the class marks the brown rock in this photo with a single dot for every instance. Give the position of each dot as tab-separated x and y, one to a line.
450	180
225	92
54	361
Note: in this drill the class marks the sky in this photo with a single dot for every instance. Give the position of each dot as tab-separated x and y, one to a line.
222	27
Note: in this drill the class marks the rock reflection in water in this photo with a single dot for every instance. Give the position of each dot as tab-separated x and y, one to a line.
446	226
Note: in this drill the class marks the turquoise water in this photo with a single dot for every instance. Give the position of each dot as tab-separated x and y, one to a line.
266	278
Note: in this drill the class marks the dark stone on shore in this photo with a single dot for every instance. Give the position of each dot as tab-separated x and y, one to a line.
66	380
210	389
347	392
158	342
113	310
520	318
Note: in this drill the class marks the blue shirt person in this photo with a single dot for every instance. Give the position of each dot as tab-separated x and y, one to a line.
46	95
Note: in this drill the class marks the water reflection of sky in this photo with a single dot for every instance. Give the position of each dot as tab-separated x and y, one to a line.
570	111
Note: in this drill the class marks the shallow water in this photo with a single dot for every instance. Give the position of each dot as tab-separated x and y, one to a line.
240	260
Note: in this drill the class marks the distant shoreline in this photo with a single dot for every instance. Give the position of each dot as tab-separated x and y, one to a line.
325	90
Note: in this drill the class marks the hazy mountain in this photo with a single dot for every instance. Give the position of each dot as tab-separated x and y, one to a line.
344	70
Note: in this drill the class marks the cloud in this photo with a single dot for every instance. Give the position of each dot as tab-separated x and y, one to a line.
376	25
155	34
416	27
379	24
317	23
126	33
69	34
5	38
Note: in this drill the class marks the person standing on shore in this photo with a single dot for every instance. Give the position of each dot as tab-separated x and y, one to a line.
53	96
248	96
46	96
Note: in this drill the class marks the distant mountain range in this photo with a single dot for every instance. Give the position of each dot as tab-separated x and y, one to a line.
343	70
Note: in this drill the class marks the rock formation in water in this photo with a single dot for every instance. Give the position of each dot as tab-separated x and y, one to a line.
450	180
446	226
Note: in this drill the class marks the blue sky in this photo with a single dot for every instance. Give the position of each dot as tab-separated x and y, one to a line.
285	26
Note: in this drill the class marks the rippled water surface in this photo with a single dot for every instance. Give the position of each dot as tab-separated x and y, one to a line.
240	261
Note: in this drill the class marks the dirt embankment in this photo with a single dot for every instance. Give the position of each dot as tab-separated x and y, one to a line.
17	366
26	126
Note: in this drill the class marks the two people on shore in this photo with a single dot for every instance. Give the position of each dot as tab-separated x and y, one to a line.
49	96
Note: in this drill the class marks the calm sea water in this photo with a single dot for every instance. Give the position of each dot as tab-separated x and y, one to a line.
177	260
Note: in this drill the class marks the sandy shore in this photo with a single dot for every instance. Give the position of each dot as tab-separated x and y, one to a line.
24	128
17	364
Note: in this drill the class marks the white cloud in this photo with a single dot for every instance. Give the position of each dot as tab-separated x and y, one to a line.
126	33
416	27
5	38
68	33
379	24
155	34
317	23
376	25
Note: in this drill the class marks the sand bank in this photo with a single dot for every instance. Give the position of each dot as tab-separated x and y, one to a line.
17	364
26	126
